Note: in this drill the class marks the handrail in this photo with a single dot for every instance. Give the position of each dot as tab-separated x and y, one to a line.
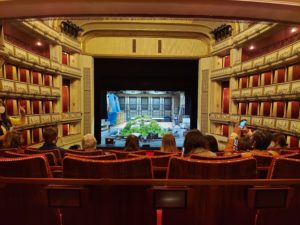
148	182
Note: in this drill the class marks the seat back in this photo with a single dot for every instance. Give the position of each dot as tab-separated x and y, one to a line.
31	166
223	157
263	160
285	168
95	157
33	151
206	169
156	153
161	160
81	152
50	155
87	168
7	149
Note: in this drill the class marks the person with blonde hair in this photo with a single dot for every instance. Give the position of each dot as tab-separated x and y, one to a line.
168	143
89	143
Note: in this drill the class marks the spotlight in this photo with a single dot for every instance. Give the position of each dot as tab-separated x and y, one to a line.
251	47
293	30
38	43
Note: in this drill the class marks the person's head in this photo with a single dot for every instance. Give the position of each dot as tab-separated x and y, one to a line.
13	139
168	143
194	139
50	135
89	142
3	112
75	147
279	140
132	143
244	143
212	143
260	140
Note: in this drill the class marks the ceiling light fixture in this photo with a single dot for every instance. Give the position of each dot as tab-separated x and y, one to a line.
293	30
39	43
251	47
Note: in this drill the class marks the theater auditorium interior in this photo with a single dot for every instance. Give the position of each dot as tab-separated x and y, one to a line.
92	90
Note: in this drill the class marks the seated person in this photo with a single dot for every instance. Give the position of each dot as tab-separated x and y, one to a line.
168	143
75	147
244	144
89	143
278	142
132	143
212	143
196	143
13	139
50	139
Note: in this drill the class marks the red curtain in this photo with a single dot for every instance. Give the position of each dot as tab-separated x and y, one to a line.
47	106
267	80
23	76
243	81
295	110
225	130
47	80
65	58
254	80
296	72
226	61
9	71
35	77
254	108
65	98
23	103
280	78
65	129
280	109
36	107
24	135
267	107
36	135
10	107
243	108
294	142
225	100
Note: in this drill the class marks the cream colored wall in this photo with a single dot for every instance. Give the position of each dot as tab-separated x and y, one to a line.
145	47
88	62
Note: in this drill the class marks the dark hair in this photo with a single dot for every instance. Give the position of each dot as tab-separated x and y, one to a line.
194	139
212	143
244	143
75	147
50	134
261	139
280	140
132	143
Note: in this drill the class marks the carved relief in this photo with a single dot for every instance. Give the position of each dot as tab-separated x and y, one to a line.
295	126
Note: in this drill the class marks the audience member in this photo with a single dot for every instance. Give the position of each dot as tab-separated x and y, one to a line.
196	143
75	147
89	143
13	139
212	143
50	139
168	143
132	143
7	122
244	144
278	142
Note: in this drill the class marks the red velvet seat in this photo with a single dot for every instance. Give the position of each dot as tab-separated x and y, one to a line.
212	205
121	154
221	157
81	152
111	205
263	165
26	204
7	149
156	153
95	157
54	151
74	167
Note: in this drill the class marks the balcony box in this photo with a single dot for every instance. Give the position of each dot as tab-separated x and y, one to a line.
282	124
20	53
256	120
269	122
33	58
55	92
270	90
71	70
258	62
45	118
235	118
236	68
34	119
9	48
212	116
270	58
235	93
247	65
7	85
295	126
245	93
257	91
21	88
33	89
55	117
295	89
284	53
225	117
45	91
296	48
45	62
283	89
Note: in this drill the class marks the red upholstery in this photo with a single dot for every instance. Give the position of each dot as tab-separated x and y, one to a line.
155	153
121	154
95	157
36	151
81	152
7	149
285	168
33	166
223	157
87	168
